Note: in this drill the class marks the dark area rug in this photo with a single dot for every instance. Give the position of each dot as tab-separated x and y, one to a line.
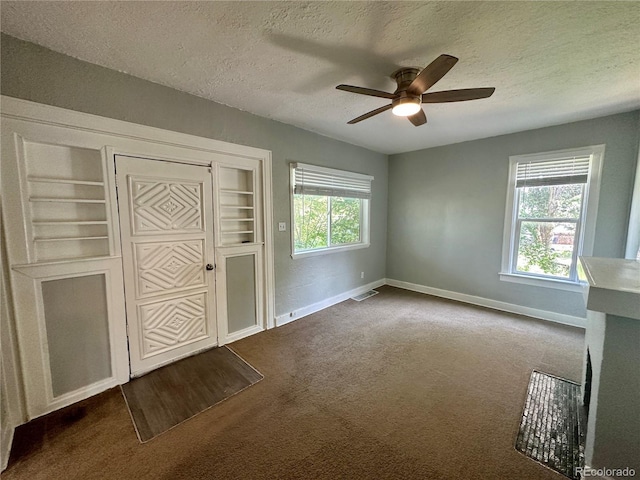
553	424
166	397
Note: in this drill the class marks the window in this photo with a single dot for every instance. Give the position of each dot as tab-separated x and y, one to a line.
330	209
551	208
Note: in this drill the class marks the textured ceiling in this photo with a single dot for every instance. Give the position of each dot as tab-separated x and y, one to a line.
551	62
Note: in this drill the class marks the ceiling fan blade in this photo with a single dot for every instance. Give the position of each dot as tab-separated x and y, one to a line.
370	114
431	74
457	95
366	91
418	118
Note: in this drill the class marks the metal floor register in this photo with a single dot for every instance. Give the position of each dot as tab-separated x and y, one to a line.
552	430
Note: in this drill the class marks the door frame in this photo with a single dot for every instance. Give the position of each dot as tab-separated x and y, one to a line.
58	126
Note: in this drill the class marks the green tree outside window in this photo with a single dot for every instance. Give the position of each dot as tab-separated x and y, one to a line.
321	222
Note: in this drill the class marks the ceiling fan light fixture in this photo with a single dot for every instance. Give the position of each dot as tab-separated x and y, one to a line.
406	106
413	84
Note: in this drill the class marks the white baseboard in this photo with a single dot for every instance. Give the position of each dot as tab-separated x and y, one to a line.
5	445
460	297
489	303
316	307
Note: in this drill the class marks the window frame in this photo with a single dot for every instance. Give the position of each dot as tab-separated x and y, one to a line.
585	224
365	213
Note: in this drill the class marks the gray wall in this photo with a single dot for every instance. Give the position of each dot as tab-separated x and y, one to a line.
34	73
447	207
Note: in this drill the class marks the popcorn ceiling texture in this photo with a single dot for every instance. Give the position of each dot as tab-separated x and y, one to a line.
551	62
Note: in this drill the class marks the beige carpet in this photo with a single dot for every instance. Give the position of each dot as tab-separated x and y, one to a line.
399	386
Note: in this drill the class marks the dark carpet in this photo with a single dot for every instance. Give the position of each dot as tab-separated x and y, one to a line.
400	386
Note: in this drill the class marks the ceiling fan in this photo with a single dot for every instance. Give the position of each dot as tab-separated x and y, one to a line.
412	85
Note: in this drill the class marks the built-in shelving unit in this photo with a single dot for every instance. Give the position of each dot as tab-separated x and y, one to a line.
239	249
63	252
236	190
67	202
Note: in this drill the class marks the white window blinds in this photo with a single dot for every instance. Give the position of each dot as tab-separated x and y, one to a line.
313	180
553	172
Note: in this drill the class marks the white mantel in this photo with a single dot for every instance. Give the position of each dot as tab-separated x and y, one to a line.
614	286
612	340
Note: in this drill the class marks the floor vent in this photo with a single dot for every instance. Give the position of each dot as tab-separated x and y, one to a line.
365	295
552	429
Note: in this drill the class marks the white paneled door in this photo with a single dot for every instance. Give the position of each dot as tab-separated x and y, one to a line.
166	224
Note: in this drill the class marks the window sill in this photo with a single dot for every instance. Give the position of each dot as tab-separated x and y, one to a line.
543	282
325	251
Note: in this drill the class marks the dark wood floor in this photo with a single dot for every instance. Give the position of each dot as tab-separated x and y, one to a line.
170	395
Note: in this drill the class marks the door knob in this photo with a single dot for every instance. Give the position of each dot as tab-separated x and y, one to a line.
209	266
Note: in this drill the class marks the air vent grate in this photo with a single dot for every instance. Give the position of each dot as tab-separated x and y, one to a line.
364	296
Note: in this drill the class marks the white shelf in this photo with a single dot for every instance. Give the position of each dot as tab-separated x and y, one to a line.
236	232
231	219
66	222
64	239
66	181
66	200
235	192
237	207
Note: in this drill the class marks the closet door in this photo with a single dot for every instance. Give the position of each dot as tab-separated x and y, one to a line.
166	221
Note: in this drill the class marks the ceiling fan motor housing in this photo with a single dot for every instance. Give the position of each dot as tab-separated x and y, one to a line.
405	103
404	77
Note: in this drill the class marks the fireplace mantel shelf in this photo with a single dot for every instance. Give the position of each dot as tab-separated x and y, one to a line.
614	286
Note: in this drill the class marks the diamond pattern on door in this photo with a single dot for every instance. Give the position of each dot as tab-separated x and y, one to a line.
169	265
166	206
168	324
